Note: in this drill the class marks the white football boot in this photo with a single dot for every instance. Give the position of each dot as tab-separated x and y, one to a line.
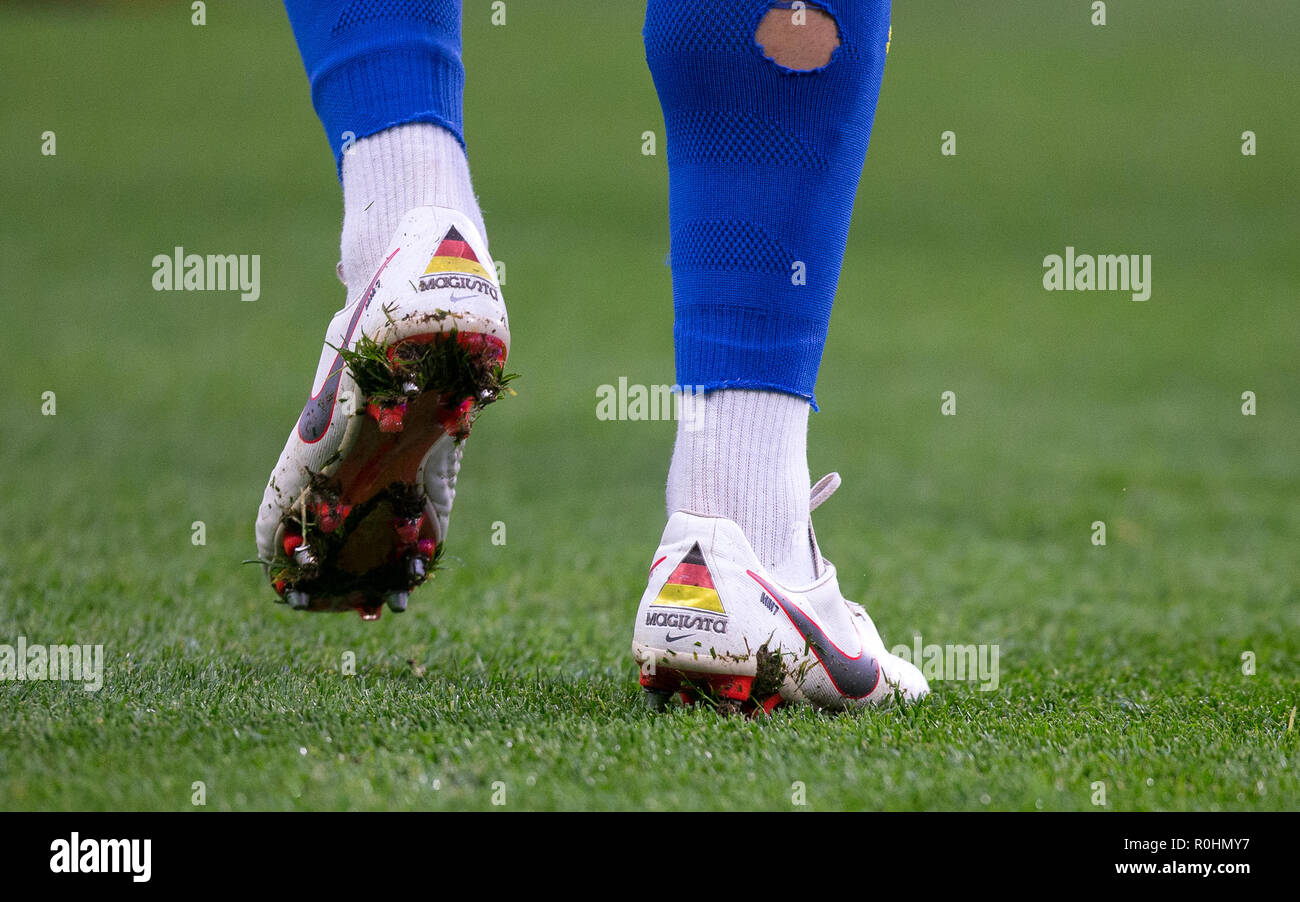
356	511
715	624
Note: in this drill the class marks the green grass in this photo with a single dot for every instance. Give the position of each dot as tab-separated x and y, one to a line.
1119	664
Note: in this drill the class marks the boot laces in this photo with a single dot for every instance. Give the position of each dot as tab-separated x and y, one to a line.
823	489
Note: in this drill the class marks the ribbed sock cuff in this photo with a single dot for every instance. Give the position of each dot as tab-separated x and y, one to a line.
380	87
721	346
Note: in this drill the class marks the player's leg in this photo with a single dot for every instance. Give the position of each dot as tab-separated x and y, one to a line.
356	511
768	109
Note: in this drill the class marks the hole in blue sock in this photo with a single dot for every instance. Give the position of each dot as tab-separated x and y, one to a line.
798	36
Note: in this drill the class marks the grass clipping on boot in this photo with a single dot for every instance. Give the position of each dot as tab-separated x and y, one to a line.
443	365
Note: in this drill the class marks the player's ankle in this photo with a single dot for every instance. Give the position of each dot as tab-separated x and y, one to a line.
389	173
742	454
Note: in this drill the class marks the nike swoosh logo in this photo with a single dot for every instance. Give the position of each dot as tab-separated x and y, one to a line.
319	410
669	637
854	676
460	298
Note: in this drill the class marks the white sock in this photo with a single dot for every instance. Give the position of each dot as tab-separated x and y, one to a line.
743	455
387	174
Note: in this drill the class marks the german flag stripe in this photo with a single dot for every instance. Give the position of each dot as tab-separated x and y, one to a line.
454	245
690	597
692	575
456	264
451	248
694	556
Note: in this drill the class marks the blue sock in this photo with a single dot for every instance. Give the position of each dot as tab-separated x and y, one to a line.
374	64
763	164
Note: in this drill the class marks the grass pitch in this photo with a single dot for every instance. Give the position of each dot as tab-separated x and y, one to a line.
1120	665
